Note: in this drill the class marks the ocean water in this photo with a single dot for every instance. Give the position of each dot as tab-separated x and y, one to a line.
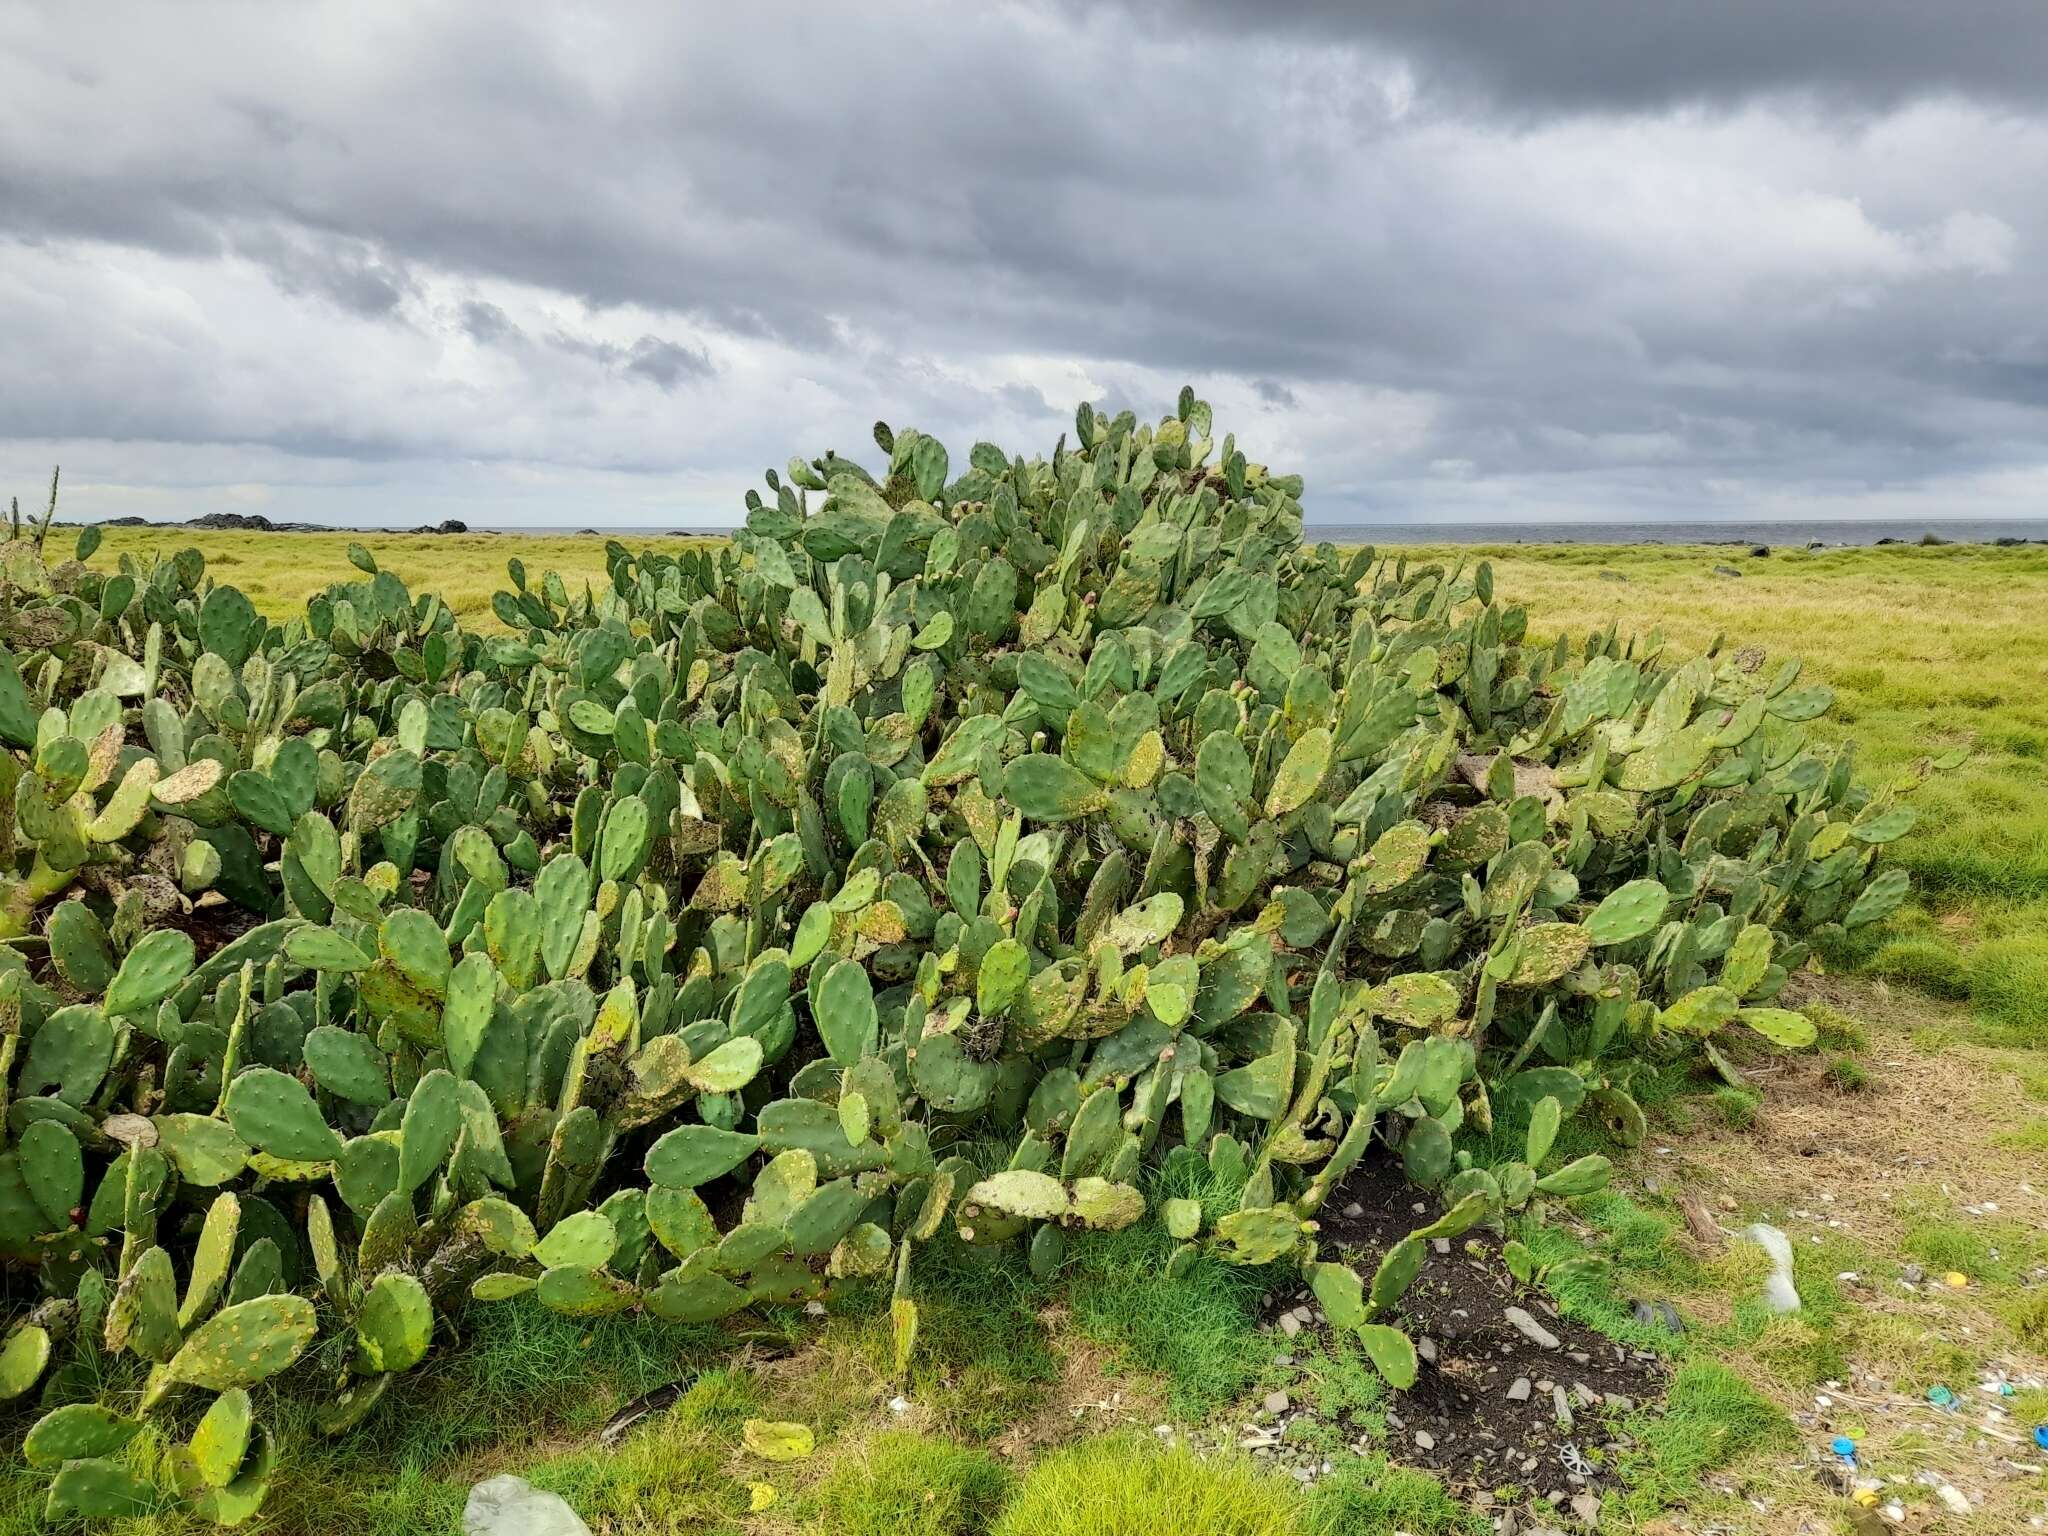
1777	535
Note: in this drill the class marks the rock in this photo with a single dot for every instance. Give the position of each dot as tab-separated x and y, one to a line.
249	522
2007	541
1519	1392
1424	1440
1561	1408
1276	1402
126	522
1621	1404
511	1506
1440	1244
1425	1347
1659	1314
453	525
1289	1324
1759	551
1587	1397
1727	570
1953	1497
236	522
1587	1507
1530	1329
1354	1210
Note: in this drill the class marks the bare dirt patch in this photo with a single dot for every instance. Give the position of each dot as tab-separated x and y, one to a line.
1090	1397
1494	1404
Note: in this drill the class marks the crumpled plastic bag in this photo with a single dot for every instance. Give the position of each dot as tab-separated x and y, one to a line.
511	1506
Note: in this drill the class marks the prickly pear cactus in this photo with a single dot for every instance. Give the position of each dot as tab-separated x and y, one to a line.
978	858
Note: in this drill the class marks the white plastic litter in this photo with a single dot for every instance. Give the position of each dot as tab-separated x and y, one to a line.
1780	1295
511	1506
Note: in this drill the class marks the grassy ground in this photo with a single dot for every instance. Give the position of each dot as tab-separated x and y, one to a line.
278	571
1908	1147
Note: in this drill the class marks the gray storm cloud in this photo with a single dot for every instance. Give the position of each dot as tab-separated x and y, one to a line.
1586	259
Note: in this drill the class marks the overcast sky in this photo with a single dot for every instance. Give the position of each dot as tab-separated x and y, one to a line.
1584	259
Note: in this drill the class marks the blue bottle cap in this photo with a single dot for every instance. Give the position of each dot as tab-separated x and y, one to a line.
1844	1446
2041	1436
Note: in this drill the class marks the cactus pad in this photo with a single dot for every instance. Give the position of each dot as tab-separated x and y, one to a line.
274	1113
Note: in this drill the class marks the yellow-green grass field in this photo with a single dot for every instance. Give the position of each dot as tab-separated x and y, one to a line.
1912	1141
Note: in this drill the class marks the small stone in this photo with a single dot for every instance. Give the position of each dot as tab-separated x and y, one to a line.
1426	1348
1530	1329
814	1309
1953	1497
1424	1440
1283	1359
1587	1507
1561	1407
1304	1315
899	1405
1276	1402
1354	1210
1587	1397
1440	1244
1519	1392
1621	1404
1289	1324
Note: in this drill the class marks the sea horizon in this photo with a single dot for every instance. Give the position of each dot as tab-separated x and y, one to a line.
1775	532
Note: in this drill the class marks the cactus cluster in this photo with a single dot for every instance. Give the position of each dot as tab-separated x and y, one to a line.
944	859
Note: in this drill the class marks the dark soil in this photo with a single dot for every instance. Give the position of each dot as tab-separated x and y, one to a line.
213	925
1458	1420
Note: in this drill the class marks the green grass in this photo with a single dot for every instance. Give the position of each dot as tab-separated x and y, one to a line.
1126	1485
1848	1075
1371	1494
903	1484
1711	1417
